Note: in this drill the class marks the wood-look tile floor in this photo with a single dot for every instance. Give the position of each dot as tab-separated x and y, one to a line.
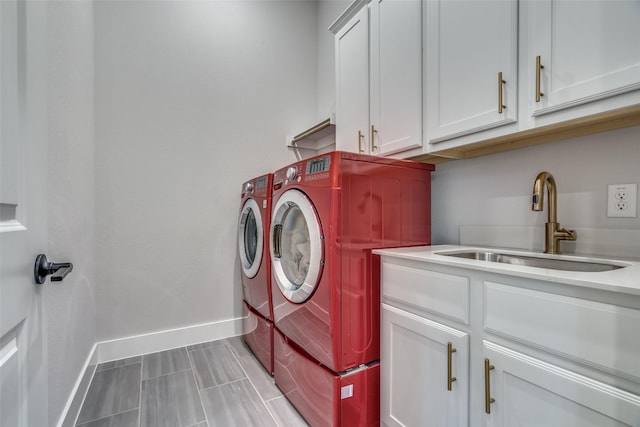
219	383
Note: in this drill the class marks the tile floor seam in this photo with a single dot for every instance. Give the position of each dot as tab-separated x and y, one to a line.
140	391
195	379
168	373
227	383
274	398
107	416
255	389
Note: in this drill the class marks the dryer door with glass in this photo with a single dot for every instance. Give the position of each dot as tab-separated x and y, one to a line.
296	246
250	238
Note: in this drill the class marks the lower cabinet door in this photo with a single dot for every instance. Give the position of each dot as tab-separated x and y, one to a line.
424	371
528	392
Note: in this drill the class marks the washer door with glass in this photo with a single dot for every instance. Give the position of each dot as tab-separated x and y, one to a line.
296	246
250	238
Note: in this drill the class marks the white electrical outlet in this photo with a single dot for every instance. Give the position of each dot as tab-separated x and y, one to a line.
622	200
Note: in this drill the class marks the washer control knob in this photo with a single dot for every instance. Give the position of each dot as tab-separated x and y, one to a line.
292	172
248	188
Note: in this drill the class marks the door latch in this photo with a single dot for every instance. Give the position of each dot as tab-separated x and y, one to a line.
43	268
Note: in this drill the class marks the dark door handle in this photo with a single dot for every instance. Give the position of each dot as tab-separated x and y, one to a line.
44	267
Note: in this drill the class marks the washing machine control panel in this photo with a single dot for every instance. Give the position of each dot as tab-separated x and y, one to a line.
292	173
248	188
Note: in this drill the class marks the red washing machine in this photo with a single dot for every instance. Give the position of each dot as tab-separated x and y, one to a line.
329	212
253	229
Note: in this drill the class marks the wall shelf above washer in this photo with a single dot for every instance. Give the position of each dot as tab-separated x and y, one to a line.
317	137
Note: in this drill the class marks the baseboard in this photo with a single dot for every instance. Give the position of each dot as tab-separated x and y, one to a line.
76	398
121	348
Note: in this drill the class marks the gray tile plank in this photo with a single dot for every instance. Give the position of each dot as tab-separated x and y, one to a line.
235	404
165	362
205	344
171	401
215	365
238	346
285	414
262	381
202	424
112	391
125	419
119	363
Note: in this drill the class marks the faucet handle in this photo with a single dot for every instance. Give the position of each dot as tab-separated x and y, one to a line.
564	234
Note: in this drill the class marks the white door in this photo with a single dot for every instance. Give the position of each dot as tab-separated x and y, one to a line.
23	166
296	246
424	379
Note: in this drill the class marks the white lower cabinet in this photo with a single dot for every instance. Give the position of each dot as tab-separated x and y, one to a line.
532	353
424	371
528	392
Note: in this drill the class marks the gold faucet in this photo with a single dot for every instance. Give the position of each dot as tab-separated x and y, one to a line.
553	233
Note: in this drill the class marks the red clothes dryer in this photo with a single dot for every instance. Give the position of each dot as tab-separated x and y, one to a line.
329	212
253	229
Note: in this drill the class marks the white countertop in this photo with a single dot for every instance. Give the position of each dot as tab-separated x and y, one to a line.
626	280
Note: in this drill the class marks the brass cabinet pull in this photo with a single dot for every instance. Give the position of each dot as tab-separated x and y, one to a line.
539	67
501	82
450	351
488	400
360	137
374	147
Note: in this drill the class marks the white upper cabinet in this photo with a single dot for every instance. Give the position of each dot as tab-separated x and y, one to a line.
396	75
352	84
471	68
567	66
379	77
587	51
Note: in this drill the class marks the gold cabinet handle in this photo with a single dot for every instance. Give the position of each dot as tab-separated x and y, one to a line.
360	138
374	147
450	351
501	82
488	400
539	67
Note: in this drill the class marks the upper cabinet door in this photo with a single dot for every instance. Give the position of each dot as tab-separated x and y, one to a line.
352	84
588	51
396	75
470	66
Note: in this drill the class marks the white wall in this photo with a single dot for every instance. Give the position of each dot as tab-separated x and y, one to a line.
71	205
496	190
192	99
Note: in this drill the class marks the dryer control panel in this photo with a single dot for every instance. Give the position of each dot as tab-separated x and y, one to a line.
315	171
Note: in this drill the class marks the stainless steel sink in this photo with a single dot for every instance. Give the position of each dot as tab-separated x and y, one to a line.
532	261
